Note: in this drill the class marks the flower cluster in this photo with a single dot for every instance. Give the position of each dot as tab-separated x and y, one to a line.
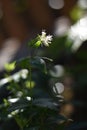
45	39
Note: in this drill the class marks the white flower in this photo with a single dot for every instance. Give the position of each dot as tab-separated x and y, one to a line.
13	100
46	40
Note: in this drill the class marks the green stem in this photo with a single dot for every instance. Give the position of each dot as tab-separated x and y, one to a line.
18	121
30	76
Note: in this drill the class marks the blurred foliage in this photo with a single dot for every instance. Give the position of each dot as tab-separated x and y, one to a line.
59	48
37	106
76	13
30	102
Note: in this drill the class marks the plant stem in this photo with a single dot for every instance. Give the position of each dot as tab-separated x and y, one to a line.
30	76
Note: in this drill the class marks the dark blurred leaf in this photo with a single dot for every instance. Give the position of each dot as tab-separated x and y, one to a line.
39	63
45	102
57	119
23	63
35	62
21	104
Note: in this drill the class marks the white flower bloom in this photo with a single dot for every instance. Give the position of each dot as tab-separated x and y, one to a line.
46	40
13	100
13	113
28	98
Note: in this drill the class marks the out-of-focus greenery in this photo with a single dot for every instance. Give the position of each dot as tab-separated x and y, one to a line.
37	106
30	102
74	63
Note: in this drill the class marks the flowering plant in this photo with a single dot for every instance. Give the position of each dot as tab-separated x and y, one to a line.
31	102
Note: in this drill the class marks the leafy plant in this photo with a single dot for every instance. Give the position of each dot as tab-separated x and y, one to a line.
31	103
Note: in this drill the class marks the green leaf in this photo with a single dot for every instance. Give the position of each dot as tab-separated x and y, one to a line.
76	13
45	103
23	63
21	104
38	43
29	85
35	42
10	66
39	63
35	62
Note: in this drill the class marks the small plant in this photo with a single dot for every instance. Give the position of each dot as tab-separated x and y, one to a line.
31	101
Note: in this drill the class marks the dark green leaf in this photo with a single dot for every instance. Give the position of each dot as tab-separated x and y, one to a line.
21	104
23	63
45	102
39	63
